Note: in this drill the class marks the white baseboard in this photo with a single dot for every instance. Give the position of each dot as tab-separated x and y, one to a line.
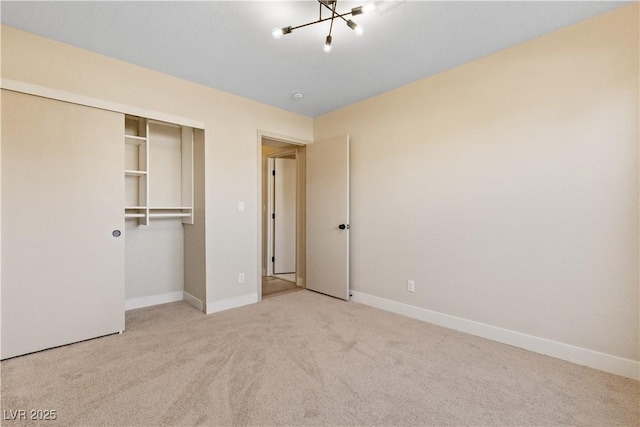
227	304
299	281
197	303
133	303
582	356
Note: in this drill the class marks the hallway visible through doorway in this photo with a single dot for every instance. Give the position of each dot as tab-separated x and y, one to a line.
289	277
273	286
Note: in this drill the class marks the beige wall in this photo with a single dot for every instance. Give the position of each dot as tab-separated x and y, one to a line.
231	124
508	188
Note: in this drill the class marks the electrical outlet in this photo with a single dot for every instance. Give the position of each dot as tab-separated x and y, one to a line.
411	286
240	277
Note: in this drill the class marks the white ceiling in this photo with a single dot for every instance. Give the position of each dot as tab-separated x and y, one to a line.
228	44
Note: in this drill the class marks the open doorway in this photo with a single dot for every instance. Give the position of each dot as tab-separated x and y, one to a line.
281	230
282	173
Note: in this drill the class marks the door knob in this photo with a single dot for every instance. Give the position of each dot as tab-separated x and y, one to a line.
343	226
116	233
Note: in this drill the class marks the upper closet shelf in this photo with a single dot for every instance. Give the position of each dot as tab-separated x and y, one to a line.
144	138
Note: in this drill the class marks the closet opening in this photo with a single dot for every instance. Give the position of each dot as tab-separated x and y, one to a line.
164	214
283	217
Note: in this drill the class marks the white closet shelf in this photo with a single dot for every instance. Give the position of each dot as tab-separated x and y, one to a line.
135	173
134	215
158	122
139	138
165	208
169	215
171	208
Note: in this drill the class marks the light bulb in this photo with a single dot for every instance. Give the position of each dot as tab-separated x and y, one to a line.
355	27
368	7
327	44
279	32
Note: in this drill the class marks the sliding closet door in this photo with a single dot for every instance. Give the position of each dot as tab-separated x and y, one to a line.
62	202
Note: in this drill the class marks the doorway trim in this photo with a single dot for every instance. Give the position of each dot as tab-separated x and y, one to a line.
294	142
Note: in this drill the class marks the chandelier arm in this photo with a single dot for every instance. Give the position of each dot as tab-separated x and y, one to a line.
333	15
333	11
321	20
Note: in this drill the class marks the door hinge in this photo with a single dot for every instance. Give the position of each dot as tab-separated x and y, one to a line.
273	216
273	259
273	172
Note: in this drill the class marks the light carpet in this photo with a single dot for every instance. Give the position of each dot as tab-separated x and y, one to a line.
306	359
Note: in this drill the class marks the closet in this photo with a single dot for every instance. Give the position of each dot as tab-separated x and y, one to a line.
159	208
82	189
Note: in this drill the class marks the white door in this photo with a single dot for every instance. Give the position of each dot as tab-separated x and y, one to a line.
62	198
284	236
328	217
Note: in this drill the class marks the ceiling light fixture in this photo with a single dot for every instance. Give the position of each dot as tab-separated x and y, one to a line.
331	5
327	43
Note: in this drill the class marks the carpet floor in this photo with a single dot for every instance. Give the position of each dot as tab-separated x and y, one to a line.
305	359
